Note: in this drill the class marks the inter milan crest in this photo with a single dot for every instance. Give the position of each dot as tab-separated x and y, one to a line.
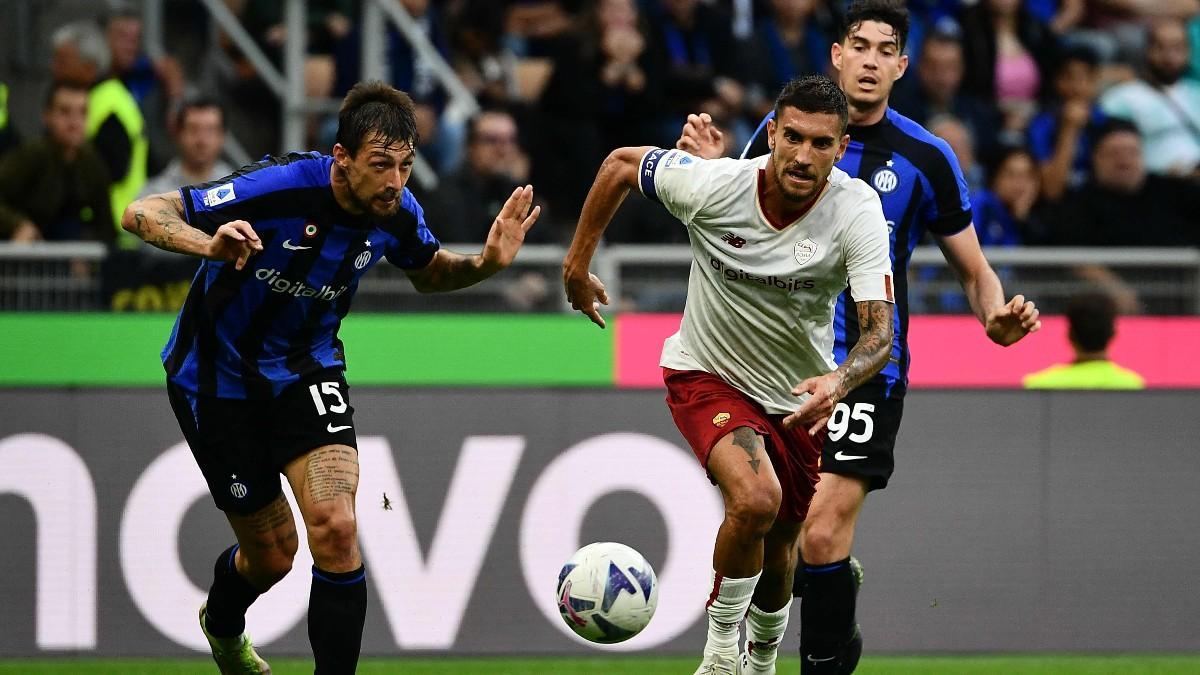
362	260
885	179
805	250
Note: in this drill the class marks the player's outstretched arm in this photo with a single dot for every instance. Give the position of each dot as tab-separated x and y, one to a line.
449	271
869	356
1004	322
618	174
159	220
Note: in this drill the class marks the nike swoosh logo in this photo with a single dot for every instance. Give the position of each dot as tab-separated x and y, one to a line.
333	430
287	243
843	457
814	660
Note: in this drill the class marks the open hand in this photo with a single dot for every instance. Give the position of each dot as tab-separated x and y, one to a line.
509	228
826	391
701	137
1011	322
236	241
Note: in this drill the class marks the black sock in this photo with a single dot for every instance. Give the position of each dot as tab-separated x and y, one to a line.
228	598
827	610
337	608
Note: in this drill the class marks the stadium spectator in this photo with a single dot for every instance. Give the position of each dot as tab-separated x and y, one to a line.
1009	54
962	142
693	51
256	377
200	138
157	85
495	165
1123	204
1164	105
596	96
532	26
114	123
1116	28
1060	137
792	39
1004	212
1091	320
937	88
482	60
328	24
56	187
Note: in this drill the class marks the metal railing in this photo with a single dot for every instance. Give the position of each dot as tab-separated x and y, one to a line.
288	84
68	276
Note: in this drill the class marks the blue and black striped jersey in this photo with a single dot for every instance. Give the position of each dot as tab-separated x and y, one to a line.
249	333
922	189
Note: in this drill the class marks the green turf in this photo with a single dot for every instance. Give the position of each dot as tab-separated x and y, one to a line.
871	665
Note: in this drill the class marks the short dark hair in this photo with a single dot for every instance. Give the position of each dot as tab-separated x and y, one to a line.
814	94
1078	54
376	111
996	160
1110	126
1092	319
198	103
890	12
62	85
473	123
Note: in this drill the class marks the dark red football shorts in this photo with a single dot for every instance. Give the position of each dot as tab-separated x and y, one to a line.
705	408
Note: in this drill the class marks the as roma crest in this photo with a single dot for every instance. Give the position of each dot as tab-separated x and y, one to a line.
805	251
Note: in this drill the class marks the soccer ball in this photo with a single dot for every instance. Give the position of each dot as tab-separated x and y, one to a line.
607	592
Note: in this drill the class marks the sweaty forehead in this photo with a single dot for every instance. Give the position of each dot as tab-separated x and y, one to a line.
809	124
397	150
874	32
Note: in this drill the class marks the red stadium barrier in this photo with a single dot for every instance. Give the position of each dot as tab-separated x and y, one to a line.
952	351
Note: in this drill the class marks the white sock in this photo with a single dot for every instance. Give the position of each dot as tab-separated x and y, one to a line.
726	607
764	630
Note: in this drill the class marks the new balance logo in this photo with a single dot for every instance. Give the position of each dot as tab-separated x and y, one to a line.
733	240
287	243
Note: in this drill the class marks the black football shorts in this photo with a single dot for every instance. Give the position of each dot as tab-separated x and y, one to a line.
242	445
861	436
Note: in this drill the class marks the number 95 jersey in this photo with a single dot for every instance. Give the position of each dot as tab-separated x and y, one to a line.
761	293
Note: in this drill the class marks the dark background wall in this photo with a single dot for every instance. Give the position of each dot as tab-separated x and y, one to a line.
1016	521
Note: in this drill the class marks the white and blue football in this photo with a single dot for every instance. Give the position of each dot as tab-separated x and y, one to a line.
607	592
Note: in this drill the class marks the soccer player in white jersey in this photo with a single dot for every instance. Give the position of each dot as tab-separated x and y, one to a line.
775	241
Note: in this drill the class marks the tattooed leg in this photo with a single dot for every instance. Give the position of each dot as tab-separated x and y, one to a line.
325	481
267	543
743	470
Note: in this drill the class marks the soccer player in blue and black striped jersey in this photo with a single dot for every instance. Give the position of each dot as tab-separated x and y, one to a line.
255	369
922	189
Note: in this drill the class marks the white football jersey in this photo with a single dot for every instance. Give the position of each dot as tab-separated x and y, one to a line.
761	295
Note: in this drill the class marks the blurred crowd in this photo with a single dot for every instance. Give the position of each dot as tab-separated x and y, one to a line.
1077	122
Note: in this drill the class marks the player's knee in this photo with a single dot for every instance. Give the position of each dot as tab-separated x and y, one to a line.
333	535
754	511
822	544
270	566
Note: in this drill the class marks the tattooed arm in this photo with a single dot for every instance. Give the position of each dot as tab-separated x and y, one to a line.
449	271
159	220
869	356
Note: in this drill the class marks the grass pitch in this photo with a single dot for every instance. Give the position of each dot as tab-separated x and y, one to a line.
871	665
